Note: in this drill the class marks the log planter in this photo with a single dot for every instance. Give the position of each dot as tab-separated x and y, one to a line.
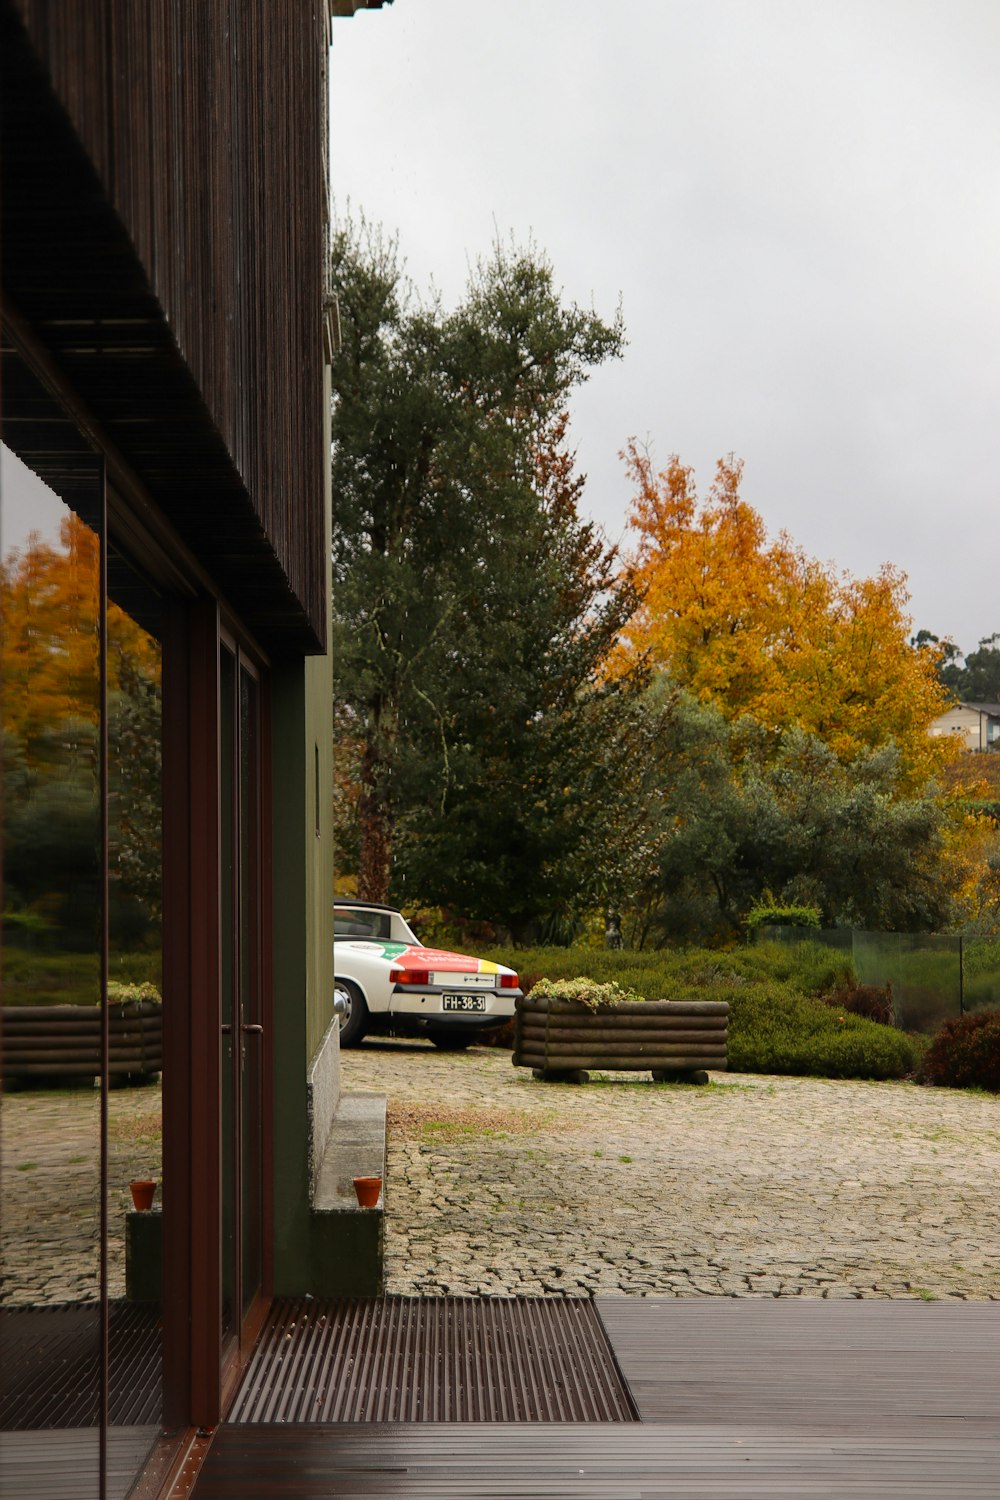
676	1040
60	1044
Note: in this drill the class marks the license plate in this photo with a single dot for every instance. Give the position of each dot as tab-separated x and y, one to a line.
463	1002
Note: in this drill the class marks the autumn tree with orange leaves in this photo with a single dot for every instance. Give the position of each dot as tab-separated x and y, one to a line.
50	598
757	627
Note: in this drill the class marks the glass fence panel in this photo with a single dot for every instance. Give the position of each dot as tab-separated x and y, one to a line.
981	974
931	983
924	969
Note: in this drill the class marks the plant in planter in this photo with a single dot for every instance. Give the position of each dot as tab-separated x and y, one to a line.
126	993
565	1027
586	992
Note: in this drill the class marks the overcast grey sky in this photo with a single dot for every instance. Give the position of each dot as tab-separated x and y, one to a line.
798	202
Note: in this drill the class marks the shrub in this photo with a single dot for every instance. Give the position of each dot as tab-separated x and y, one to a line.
768	914
32	978
965	1054
873	1001
26	928
774	1030
663	974
777	1022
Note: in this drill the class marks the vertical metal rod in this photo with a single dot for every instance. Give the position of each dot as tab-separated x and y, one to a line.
102	618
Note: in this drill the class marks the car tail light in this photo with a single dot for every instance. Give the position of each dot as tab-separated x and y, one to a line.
410	976
508	981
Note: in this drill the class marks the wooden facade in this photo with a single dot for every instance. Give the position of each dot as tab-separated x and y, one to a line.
178	146
163	234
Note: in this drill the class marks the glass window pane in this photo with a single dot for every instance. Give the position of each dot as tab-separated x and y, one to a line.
251	1090
135	1113
50	1116
230	1019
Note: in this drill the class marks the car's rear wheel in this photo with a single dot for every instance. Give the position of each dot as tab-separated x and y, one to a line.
354	1018
451	1041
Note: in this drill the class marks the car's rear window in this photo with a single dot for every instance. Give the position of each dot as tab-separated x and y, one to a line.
362	924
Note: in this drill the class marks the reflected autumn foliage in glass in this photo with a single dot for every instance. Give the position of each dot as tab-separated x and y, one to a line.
50	1124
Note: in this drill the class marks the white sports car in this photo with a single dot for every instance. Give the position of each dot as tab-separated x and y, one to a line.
385	981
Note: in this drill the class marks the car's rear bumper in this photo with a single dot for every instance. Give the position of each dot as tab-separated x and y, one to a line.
427	1004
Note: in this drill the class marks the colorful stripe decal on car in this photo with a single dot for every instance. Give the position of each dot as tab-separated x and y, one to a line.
424	958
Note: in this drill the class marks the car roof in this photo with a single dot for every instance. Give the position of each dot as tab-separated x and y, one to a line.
367	905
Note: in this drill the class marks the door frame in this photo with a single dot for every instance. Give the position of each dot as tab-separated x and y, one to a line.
249	1319
200	1378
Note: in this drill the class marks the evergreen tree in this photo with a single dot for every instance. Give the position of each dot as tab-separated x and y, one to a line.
473	608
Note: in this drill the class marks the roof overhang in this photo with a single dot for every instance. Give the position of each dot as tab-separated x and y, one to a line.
349	7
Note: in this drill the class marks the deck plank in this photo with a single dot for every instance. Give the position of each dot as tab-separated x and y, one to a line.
53	1464
49	1369
839	1367
568	1462
752	1400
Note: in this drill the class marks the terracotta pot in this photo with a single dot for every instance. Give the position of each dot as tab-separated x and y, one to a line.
143	1189
369	1190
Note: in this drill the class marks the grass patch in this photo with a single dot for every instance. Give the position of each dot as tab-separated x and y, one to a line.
412	1121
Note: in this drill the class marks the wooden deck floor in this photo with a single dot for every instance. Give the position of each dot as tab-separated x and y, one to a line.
49	1368
739	1399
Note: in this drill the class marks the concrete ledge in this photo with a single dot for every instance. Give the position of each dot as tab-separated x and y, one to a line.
348	1241
322	1097
144	1255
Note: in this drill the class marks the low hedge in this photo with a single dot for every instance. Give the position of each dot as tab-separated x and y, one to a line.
777	1022
772	1029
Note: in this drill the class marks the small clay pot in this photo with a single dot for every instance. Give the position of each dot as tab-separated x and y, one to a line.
143	1190
369	1190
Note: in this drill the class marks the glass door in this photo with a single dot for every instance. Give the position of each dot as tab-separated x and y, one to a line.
243	1016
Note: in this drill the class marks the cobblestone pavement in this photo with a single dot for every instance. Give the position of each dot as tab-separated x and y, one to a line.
753	1186
50	1188
750	1187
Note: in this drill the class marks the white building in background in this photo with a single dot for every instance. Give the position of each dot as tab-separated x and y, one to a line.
977	725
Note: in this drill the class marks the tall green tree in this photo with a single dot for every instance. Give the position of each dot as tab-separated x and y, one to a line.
473	609
974	678
743	810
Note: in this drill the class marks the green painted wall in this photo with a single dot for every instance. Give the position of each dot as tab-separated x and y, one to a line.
302	842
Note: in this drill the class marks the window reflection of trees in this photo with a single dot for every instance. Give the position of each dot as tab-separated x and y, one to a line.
50	1123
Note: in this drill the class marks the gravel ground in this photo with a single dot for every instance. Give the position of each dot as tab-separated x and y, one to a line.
752	1186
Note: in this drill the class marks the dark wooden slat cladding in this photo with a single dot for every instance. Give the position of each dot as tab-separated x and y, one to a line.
164	237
